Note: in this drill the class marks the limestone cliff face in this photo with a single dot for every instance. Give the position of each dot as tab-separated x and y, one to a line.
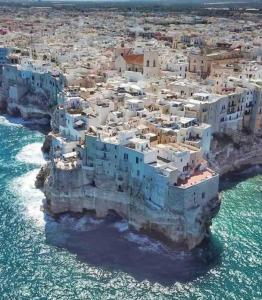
74	190
182	221
29	107
42	176
47	144
234	153
29	93
25	102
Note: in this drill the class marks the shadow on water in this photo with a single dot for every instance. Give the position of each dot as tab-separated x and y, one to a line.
109	244
233	178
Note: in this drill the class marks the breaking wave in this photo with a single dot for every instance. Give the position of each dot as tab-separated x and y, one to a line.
121	226
84	223
29	197
13	121
31	154
145	243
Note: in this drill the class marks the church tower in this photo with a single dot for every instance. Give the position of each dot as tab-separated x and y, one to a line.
151	64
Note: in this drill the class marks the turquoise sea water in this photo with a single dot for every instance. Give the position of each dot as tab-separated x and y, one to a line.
83	258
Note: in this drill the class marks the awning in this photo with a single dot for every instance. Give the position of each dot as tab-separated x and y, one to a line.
79	123
69	155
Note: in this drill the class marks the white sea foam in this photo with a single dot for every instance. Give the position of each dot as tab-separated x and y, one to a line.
4	121
85	223
12	121
145	243
81	224
29	197
31	154
95	221
121	226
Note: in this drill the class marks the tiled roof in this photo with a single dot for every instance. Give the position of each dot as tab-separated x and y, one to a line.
135	59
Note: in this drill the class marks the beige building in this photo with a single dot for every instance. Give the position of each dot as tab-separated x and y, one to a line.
146	64
202	63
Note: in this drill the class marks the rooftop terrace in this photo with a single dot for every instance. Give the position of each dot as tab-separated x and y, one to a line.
197	178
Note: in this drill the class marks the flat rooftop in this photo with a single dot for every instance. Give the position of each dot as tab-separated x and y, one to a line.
197	178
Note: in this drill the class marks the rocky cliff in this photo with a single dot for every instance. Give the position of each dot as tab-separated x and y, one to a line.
233	153
28	107
26	102
72	189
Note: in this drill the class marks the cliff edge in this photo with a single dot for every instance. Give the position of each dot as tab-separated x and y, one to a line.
182	222
233	153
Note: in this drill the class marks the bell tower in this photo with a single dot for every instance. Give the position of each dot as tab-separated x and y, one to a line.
151	64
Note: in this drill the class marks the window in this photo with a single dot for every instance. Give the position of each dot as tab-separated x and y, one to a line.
147	63
137	173
137	160
203	195
125	156
154	63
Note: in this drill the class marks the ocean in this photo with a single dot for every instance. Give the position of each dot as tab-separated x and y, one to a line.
80	257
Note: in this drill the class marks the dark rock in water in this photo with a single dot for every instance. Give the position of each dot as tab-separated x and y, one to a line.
41	177
47	144
3	106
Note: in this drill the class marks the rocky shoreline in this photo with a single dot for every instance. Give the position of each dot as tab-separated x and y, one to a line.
228	158
76	200
71	191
